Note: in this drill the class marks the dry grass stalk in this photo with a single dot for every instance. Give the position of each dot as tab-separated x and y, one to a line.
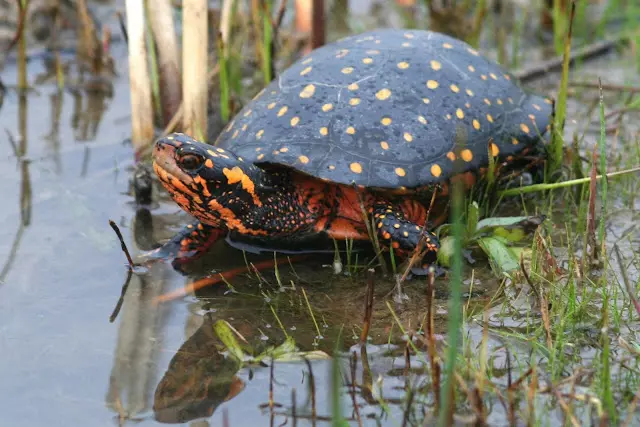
164	34
194	67
368	309
225	22
139	80
317	24
303	16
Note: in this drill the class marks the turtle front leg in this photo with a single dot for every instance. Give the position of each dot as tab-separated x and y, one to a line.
189	244
396	231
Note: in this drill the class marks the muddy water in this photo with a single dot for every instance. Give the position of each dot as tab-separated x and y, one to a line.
63	363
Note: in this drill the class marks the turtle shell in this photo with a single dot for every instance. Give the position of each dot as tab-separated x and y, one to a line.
388	109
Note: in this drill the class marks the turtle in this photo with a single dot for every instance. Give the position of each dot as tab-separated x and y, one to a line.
363	129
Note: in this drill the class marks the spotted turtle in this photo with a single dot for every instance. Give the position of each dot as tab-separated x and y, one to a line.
373	123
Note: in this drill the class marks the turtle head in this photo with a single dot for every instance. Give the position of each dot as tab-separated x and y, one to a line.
210	183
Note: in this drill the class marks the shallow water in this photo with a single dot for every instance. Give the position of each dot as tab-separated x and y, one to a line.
63	363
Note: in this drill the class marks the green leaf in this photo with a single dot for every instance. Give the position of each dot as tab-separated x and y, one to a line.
226	334
513	229
501	257
473	215
447	246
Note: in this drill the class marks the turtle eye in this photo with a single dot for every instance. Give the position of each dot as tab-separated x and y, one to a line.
190	161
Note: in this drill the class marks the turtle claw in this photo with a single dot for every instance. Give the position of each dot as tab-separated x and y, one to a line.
189	244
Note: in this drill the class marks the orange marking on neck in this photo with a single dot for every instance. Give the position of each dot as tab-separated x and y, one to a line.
200	180
232	222
237	175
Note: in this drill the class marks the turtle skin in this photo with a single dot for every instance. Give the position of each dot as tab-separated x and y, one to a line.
367	127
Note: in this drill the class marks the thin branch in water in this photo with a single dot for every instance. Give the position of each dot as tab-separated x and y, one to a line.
118	306
312	386
123	26
353	362
122	244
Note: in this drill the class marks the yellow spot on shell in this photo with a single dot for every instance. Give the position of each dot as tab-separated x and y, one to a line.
494	149
208	163
466	155
283	111
447	46
507	76
303	159
510	100
483	77
244	127
260	156
284	149
537	107
247	113
324	131
435	65
342	53
422	120
347	70
308	91
306	71
476	124
454	88
260	133
547	100
351	130
514	141
327	107
331	167
493	76
386	121
472	51
306	61
524	128
383	94
354	101
490	118
355	167
436	170
471	68
353	86
295	121
451	156
460	113
373	52
367	60
235	133
469	92
408	137
426	100
406	44
432	84
409	35
403	65
270	106
499	101
400	172
384	145
486	101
